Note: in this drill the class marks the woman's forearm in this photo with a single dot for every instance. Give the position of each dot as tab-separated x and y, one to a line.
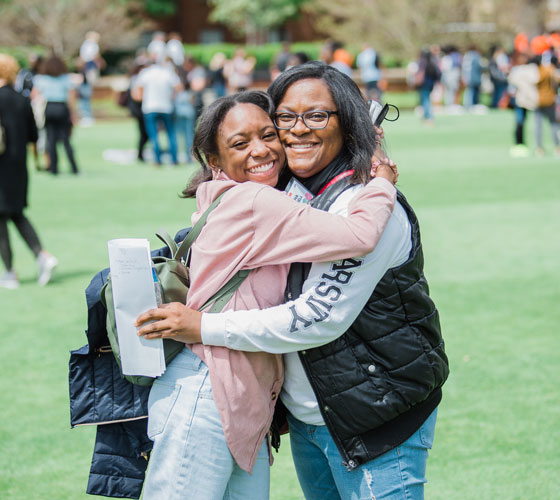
287	232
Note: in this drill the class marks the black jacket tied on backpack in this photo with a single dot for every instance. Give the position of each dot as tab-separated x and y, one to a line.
100	395
392	357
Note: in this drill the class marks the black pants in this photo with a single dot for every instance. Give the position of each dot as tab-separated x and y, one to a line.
143	139
58	126
135	108
520	117
27	233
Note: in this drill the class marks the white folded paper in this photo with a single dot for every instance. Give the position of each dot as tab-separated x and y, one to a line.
133	294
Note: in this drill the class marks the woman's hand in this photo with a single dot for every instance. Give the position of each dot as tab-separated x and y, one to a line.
380	158
386	168
173	321
379	133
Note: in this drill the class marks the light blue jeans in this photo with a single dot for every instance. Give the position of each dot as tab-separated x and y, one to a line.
399	474
190	458
85	93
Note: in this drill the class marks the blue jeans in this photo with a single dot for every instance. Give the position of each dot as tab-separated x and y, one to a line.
499	89
151	121
425	102
398	474
471	95
185	127
190	458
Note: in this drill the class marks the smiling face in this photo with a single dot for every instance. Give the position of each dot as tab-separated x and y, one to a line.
248	146
309	151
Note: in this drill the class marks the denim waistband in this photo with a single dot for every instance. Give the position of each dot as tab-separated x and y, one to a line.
188	359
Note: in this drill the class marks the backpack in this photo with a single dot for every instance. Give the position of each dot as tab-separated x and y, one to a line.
432	71
173	276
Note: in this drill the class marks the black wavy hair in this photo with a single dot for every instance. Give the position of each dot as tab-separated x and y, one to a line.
205	141
359	138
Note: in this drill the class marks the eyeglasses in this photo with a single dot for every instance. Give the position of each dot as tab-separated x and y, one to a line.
316	119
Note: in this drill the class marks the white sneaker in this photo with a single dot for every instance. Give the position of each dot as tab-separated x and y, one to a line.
47	263
86	121
9	280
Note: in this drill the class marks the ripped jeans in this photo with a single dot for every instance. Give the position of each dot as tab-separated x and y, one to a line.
399	474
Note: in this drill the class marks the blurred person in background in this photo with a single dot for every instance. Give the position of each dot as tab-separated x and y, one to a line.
521	43
196	79
498	67
155	87
17	129
24	79
91	64
175	50
280	62
342	60
157	48
471	74
369	63
135	106
185	114
450	66
327	51
522	79
239	71
426	76
216	74
57	89
296	59
24	85
547	88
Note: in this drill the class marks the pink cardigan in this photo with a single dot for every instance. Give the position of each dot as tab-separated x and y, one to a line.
258	227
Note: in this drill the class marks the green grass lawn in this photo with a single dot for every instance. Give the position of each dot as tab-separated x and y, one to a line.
491	243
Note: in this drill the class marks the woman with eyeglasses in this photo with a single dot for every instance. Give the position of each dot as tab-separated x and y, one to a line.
363	352
210	413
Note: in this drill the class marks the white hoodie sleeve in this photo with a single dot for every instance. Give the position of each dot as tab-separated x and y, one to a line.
333	295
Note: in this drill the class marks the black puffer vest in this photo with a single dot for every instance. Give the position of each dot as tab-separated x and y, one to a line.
386	371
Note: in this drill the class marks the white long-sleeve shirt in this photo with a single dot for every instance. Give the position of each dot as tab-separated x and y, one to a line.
333	296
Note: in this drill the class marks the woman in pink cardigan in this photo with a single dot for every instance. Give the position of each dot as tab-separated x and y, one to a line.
210	412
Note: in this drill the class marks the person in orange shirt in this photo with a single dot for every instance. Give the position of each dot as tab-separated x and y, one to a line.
547	88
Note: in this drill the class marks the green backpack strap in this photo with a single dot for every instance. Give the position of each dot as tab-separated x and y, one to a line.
222	296
164	236
195	231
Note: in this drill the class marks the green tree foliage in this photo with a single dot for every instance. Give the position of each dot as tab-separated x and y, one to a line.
253	17
160	7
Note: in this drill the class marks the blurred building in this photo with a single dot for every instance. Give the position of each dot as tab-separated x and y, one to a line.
192	21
